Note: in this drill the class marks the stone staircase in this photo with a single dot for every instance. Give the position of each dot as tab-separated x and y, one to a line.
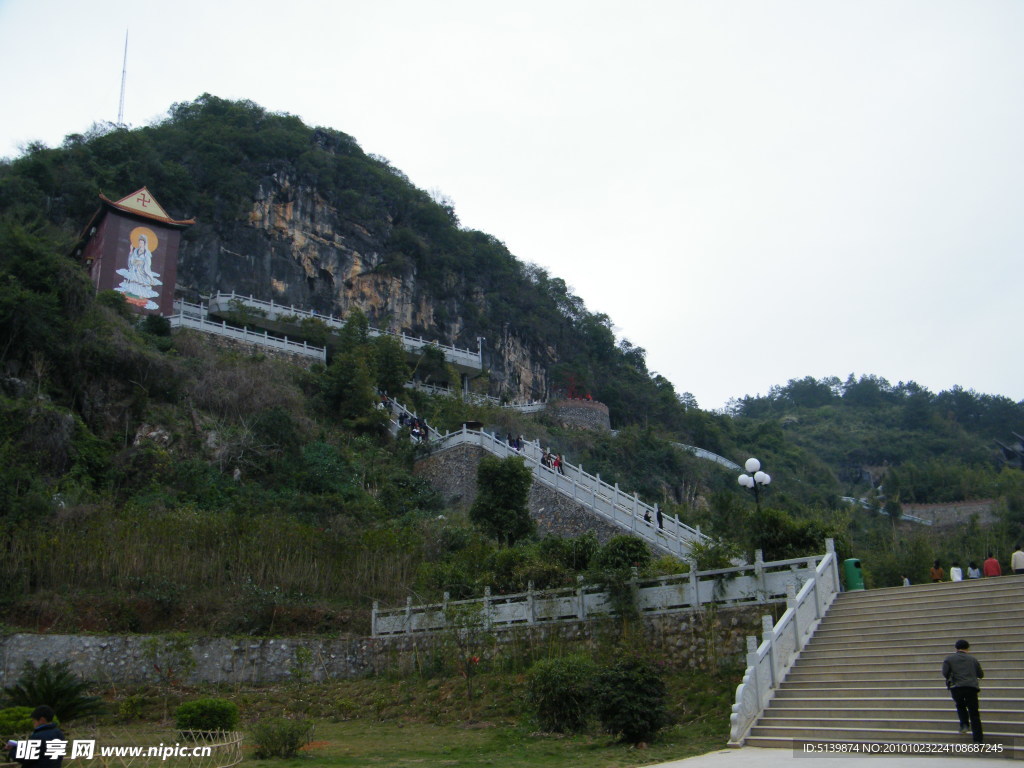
872	670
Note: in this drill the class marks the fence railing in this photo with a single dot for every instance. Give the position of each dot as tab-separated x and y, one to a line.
865	504
701	453
186	318
474	397
120	748
759	583
768	664
226	302
663	532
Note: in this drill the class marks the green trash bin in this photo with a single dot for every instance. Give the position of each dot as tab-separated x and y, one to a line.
853	574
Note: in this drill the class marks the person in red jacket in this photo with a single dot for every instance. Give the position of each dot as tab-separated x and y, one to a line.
991	567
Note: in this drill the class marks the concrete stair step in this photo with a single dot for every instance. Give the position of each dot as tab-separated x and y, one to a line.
934	721
931	593
970	599
930	589
928	611
949	628
859	677
1005	667
845	688
926	616
811	709
1007	650
927	733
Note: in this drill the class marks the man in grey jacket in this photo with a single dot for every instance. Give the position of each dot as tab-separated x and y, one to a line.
962	672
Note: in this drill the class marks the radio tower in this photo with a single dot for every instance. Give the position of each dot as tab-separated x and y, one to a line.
124	76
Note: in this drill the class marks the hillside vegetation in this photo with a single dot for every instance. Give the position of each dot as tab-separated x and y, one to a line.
182	485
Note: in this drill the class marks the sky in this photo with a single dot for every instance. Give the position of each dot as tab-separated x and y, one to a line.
753	190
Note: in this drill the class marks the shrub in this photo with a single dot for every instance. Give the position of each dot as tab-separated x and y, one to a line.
15	722
561	692
206	715
622	553
130	707
280	737
57	686
630	700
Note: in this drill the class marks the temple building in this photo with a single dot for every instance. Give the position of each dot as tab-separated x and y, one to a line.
131	246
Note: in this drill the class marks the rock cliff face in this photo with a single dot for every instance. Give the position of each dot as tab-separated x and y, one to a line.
296	247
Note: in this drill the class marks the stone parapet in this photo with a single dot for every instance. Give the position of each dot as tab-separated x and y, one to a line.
581	414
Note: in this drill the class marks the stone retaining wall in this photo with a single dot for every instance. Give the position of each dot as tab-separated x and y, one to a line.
703	639
581	414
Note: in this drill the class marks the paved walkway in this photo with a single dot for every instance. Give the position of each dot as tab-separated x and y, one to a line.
751	757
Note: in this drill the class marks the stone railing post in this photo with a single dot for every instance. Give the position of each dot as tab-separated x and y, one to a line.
752	664
694	585
408	615
767	627
830	549
444	608
487	607
792	606
373	618
531	616
762	579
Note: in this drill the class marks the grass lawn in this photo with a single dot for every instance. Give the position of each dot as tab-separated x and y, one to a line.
420	745
420	723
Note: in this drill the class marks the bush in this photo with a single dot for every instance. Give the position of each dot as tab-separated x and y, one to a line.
15	722
630	700
280	737
206	715
56	686
561	692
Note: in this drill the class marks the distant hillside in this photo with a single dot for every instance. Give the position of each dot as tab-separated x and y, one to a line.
303	216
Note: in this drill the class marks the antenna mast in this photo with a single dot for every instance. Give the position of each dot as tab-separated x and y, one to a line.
124	76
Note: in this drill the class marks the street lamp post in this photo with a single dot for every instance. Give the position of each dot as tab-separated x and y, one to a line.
754	479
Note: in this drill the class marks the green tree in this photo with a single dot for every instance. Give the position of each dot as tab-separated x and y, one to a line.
561	692
392	369
622	553
630	700
503	487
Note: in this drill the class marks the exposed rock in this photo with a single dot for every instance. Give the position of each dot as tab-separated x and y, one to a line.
299	249
157	435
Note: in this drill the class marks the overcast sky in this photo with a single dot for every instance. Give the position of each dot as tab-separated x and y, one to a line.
754	191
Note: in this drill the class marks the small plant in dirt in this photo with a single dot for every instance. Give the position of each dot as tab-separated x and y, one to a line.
206	715
630	700
561	692
280	737
57	686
